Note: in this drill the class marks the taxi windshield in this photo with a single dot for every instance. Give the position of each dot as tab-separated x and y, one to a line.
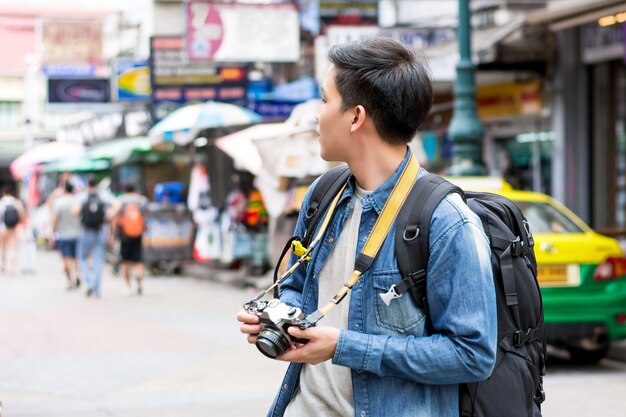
545	218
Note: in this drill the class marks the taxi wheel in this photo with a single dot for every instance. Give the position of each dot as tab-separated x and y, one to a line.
586	356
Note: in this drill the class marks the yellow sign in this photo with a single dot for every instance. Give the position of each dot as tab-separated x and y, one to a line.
508	99
135	81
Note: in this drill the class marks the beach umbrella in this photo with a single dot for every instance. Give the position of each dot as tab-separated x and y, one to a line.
41	154
120	149
182	125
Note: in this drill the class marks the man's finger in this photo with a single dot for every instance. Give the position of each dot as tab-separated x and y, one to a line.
296	332
250	328
245	317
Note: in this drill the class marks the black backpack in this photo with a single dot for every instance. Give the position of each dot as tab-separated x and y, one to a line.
92	213
11	216
515	387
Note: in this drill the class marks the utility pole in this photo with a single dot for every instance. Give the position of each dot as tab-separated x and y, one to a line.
465	130
30	100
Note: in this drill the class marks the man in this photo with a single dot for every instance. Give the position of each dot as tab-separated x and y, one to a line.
367	357
12	212
92	210
129	220
67	228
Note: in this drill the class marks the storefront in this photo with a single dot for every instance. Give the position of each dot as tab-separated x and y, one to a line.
587	93
603	54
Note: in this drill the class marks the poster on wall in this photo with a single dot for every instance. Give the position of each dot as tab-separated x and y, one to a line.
242	32
132	80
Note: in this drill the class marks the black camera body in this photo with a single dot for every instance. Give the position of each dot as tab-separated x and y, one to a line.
275	317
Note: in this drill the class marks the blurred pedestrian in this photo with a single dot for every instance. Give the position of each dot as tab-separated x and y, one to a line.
12	212
128	219
66	227
92	210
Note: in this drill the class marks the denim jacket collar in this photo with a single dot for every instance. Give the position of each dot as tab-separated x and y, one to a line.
378	197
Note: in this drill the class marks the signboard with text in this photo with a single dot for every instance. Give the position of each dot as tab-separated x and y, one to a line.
348	12
79	90
509	99
242	32
71	42
602	43
414	38
176	81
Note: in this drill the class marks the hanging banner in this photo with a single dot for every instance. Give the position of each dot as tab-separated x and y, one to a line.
242	32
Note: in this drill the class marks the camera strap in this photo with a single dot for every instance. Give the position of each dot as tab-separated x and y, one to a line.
375	240
304	253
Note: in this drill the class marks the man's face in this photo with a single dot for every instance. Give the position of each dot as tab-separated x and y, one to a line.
333	124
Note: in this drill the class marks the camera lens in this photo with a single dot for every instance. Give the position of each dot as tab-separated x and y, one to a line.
272	343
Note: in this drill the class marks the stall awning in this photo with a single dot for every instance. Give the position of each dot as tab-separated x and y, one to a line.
101	156
443	57
77	164
41	154
572	15
120	149
240	145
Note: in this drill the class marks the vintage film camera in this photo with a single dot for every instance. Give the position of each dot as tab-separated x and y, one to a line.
275	318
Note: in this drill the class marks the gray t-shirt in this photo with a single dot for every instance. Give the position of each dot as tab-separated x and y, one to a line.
68	226
133	198
325	388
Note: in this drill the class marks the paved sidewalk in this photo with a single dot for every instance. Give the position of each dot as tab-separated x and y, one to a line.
175	351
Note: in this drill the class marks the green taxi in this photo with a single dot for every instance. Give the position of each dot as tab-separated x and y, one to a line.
582	274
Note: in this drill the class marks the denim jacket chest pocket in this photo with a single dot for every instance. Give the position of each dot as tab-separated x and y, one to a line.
401	316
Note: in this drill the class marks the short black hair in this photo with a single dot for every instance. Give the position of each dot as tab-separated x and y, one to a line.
391	81
6	190
129	187
69	188
92	182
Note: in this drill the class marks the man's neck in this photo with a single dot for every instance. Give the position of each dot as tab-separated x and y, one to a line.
375	165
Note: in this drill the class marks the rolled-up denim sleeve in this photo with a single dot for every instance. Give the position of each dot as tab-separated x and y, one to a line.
462	309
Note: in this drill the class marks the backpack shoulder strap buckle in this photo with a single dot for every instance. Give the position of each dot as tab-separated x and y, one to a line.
521	337
410	233
311	210
517	247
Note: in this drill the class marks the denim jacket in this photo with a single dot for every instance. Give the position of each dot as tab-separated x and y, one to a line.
398	367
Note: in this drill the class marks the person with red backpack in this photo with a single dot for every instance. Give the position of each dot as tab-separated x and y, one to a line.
130	226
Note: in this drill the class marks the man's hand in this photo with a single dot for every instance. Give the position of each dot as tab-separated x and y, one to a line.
250	325
321	345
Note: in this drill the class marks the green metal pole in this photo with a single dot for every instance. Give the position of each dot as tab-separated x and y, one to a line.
465	129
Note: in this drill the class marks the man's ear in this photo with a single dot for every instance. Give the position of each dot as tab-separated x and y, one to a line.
359	117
